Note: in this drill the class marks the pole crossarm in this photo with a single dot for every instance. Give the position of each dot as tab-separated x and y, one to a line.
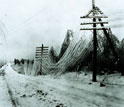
43	47
94	28
93	17
94	23
42	54
38	52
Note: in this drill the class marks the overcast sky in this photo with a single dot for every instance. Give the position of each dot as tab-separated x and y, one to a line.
29	23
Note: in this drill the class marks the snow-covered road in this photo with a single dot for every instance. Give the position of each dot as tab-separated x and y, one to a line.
5	98
45	91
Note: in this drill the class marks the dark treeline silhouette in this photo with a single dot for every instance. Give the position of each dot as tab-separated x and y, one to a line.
23	61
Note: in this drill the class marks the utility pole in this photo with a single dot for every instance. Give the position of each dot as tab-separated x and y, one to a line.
41	53
41	58
94	44
95	14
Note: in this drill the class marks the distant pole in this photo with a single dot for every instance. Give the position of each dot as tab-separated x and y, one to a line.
94	44
41	56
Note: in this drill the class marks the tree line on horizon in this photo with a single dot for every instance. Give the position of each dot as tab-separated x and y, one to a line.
23	61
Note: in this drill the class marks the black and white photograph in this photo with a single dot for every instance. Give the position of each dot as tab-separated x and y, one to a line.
61	53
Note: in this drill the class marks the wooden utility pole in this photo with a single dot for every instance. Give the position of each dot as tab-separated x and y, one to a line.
95	14
94	44
41	53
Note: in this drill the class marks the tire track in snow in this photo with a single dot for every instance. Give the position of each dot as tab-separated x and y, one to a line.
8	95
76	94
14	101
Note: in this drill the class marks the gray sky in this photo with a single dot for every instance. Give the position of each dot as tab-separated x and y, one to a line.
29	23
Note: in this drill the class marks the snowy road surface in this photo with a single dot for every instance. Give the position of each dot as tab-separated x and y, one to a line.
5	100
45	91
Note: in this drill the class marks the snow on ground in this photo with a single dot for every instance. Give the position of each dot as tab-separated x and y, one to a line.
65	91
5	100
